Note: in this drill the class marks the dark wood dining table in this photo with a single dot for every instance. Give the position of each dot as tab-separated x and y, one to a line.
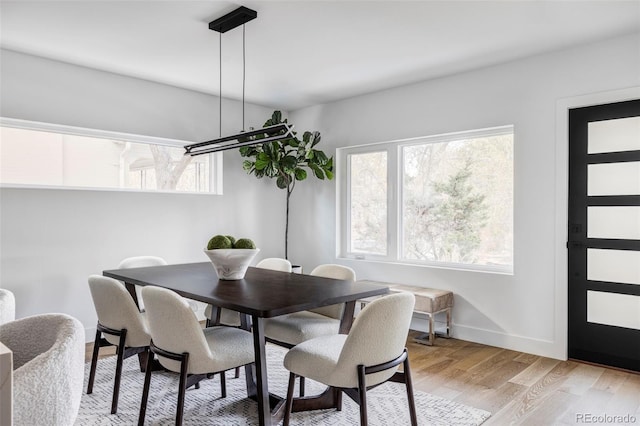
261	294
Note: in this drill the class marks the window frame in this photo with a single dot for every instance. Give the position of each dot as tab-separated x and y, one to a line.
395	197
215	159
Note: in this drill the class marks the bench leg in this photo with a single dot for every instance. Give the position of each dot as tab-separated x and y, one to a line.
448	335
429	337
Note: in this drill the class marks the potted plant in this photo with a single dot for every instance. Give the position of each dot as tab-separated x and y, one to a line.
287	161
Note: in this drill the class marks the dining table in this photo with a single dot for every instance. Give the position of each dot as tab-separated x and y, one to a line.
261	294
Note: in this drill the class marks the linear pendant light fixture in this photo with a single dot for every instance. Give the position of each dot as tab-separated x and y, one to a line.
232	20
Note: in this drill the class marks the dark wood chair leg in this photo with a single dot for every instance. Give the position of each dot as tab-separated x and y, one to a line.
145	390
301	386
362	393
184	368
223	384
338	399
409	384
94	361
289	404
116	381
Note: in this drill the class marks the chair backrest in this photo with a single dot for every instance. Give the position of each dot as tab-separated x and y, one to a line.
378	335
7	306
175	327
116	309
275	263
141	262
48	354
338	272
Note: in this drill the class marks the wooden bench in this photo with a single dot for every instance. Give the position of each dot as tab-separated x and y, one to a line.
429	301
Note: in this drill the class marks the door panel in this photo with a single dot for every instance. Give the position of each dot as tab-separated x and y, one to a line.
604	234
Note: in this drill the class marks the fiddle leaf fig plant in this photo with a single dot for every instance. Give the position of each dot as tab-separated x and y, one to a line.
287	161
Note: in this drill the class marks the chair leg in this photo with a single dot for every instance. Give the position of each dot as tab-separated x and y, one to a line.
145	389
94	361
223	384
362	393
301	386
409	384
116	382
289	404
184	368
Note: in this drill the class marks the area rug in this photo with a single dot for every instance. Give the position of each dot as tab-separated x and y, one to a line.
387	404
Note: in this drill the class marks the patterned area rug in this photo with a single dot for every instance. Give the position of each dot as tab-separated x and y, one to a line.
387	404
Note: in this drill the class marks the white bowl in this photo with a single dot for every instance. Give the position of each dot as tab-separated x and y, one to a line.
231	264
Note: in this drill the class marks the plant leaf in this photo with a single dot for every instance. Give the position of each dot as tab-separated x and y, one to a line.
329	174
283	181
317	171
301	174
315	139
262	161
320	157
248	165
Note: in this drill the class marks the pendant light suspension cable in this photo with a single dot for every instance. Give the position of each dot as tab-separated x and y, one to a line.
243	73
220	88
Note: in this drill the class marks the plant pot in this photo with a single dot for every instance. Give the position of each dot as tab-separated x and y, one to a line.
231	264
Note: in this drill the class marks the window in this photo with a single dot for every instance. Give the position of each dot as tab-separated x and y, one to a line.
40	154
441	200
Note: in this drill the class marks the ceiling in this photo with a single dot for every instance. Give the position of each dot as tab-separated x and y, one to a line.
301	53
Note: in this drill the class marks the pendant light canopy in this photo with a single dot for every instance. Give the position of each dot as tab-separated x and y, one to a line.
232	20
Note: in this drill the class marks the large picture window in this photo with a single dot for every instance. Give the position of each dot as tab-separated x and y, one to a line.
443	200
47	155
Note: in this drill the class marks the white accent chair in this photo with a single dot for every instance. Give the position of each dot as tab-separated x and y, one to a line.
291	329
121	324
7	306
365	358
48	368
182	346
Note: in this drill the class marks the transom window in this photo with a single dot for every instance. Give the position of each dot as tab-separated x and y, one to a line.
442	200
48	155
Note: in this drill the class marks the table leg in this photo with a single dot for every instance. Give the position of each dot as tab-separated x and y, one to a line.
347	317
259	343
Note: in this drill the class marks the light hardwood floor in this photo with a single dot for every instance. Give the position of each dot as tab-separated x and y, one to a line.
517	388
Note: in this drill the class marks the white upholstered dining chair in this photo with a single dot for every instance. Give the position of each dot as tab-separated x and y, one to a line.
182	346
141	262
365	358
120	323
291	329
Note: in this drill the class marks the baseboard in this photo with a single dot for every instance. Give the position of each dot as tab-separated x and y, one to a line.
541	347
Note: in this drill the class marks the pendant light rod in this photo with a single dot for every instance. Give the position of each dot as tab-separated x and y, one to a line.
271	133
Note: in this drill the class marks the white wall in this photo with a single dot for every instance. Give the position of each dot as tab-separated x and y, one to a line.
526	311
51	240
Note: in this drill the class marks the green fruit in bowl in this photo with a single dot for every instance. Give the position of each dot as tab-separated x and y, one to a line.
219	242
233	240
244	243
